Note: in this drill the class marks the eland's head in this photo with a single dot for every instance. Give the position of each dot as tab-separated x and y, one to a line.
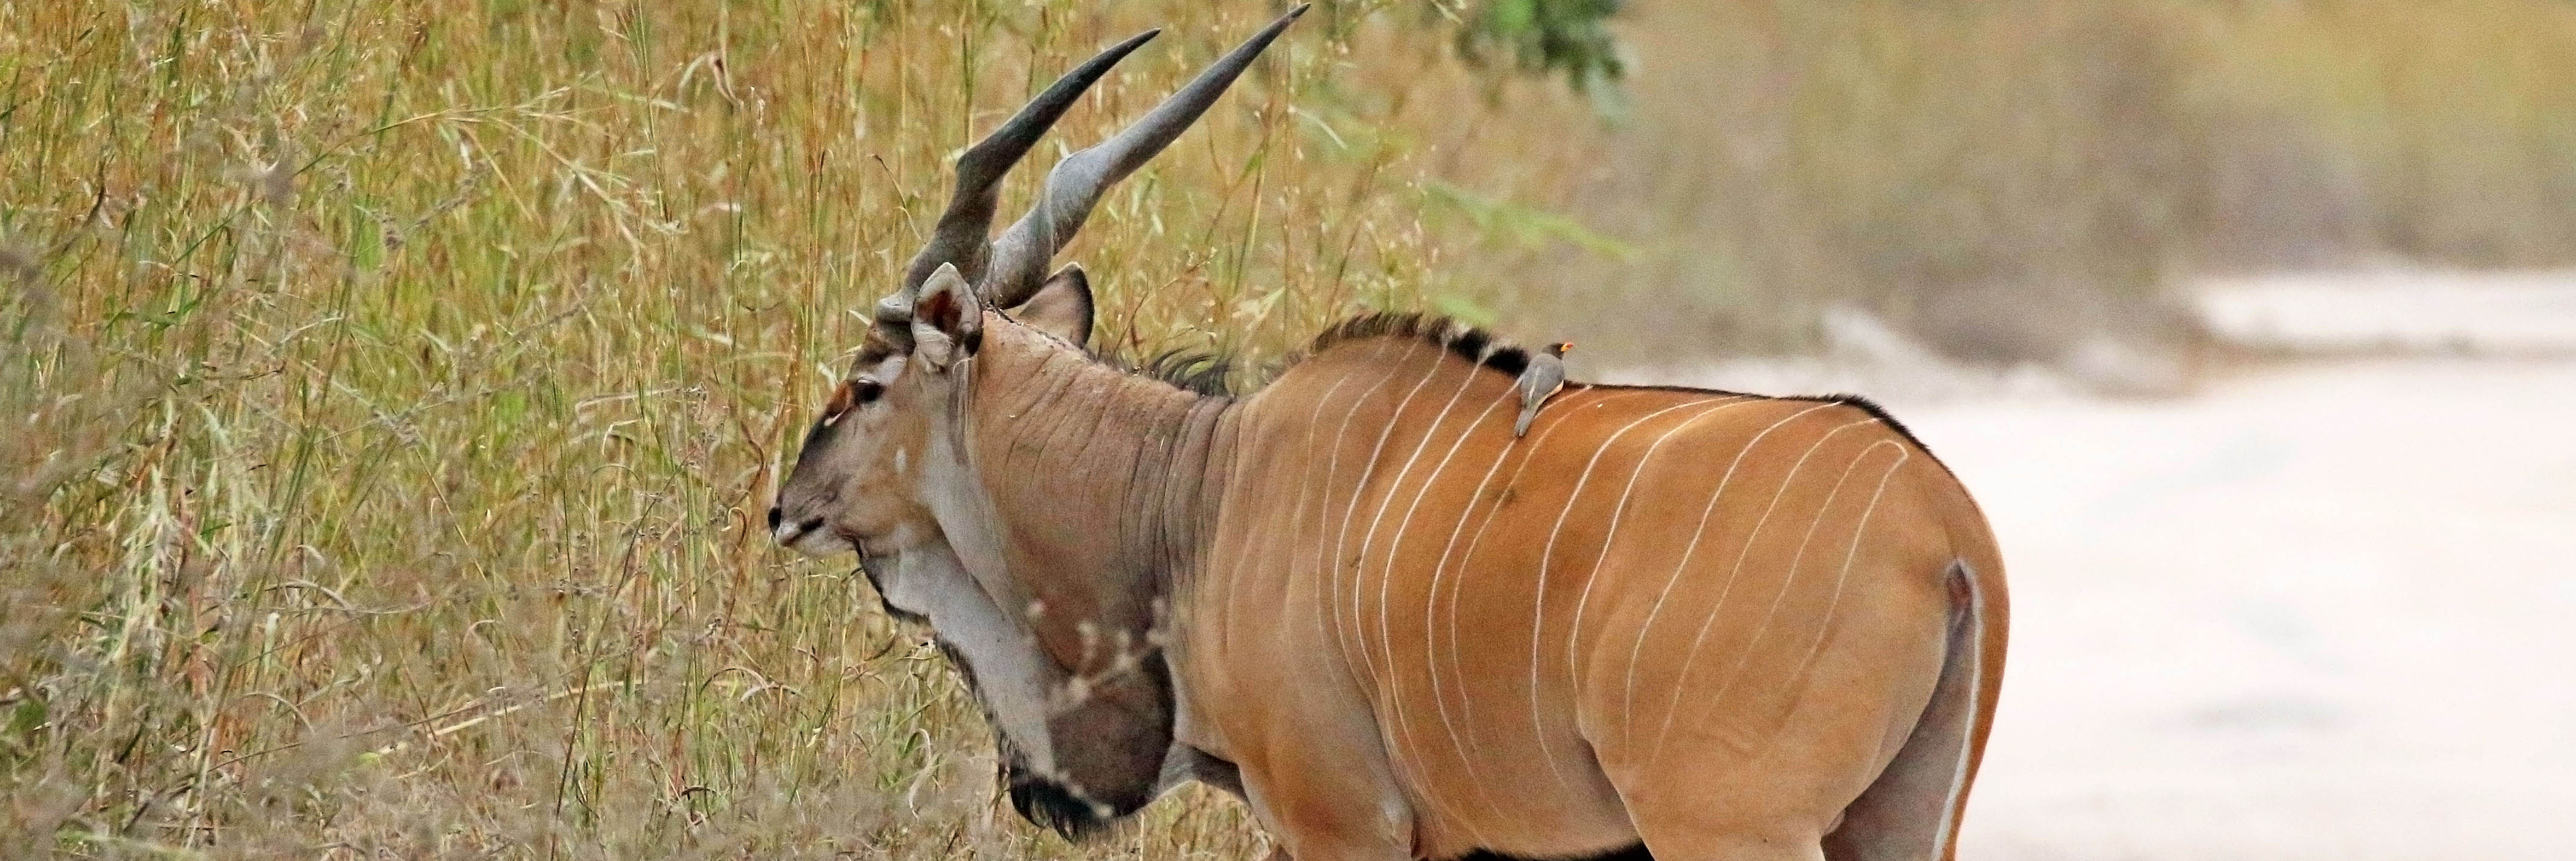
855	481
1055	628
861	465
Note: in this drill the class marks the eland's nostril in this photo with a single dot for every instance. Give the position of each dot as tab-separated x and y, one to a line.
773	518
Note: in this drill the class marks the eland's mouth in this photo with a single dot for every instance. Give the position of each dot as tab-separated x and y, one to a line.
810	537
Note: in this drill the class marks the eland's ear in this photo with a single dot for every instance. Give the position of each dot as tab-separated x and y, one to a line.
947	319
1061	306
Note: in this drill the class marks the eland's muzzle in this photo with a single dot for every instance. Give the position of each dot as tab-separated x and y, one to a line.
788	533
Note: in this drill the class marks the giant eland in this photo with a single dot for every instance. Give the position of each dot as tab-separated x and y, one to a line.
1703	624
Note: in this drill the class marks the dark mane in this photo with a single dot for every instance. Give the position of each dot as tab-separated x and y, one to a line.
1477	345
1192	369
1212	373
1468	342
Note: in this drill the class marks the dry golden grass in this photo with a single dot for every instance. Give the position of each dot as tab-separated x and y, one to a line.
393	388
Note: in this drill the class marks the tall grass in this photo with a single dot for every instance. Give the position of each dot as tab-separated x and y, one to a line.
393	388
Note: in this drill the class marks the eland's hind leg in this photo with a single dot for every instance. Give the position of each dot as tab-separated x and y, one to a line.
1911	812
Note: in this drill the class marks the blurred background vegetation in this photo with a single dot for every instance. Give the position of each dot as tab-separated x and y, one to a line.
391	386
2005	179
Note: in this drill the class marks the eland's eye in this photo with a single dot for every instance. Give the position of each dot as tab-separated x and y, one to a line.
849	395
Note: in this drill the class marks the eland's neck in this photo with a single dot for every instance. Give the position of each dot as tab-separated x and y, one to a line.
1107	483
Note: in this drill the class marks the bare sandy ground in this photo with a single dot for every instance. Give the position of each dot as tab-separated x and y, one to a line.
2324	613
2319	611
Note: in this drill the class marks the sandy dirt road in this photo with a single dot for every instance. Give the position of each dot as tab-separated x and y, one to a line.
2317	612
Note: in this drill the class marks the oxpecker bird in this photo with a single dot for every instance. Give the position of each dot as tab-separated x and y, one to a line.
1540	381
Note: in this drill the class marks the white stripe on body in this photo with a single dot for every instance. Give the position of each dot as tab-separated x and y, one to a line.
1296	515
1394	679
1538	608
1404	530
1574	632
1328	629
1835	603
1468	749
1681	681
1628	700
1797	561
1349	627
1394	488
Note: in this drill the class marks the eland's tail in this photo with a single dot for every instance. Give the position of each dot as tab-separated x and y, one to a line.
1912	810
